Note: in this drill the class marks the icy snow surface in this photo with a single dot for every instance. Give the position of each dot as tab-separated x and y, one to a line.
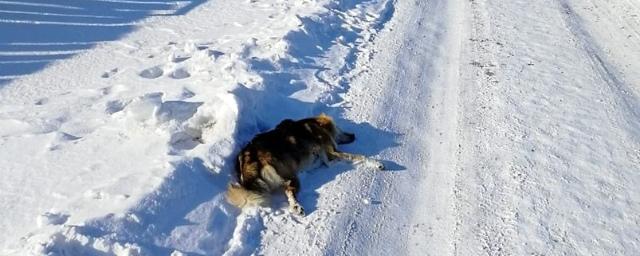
507	128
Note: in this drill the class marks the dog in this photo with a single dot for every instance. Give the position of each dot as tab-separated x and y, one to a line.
272	160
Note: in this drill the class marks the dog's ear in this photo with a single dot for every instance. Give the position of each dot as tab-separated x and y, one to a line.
284	124
324	120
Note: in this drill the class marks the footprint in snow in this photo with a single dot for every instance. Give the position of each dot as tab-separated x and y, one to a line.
52	218
112	89
151	73
114	106
215	53
100	195
186	93
109	73
63	136
179	58
42	101
60	139
201	47
180	73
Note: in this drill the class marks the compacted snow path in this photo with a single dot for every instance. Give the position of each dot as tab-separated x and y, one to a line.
518	132
550	131
410	90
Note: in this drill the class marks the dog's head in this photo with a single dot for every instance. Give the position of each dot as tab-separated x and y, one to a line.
339	136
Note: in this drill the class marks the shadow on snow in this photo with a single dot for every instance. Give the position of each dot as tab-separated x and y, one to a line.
36	33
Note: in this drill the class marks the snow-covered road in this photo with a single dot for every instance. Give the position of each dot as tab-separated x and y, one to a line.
507	128
550	130
409	88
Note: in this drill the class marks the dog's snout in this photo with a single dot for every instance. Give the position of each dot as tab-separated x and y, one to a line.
351	137
346	138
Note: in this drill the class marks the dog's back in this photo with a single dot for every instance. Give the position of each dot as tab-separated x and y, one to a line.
279	153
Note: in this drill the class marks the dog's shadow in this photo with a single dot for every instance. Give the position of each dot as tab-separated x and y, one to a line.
370	141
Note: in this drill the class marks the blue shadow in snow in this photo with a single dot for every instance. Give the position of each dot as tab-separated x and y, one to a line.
37	32
158	214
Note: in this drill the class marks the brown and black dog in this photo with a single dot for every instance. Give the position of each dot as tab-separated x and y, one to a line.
272	160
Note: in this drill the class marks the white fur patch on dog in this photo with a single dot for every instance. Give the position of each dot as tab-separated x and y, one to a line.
271	177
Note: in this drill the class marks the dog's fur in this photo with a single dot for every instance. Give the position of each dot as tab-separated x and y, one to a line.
272	160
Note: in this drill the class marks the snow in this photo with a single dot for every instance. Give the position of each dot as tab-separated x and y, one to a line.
559	127
505	128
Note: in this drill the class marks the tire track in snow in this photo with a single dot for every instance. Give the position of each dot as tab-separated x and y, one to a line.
607	71
478	168
546	140
408	88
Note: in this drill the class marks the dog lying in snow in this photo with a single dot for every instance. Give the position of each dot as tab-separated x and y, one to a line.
272	160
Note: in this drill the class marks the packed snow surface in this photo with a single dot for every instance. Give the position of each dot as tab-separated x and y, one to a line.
506	128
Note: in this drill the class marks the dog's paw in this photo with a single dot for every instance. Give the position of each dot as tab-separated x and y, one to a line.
296	209
373	164
378	165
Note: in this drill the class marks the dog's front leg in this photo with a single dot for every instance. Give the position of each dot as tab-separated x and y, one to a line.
348	156
291	187
333	153
354	158
326	160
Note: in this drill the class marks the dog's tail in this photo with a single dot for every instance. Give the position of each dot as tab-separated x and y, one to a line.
241	197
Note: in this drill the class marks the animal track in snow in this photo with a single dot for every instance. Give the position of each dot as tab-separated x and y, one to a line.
185	140
112	89
215	53
96	195
179	58
202	47
42	101
52	218
109	73
152	72
60	139
114	106
100	195
180	73
157	71
63	136
186	93
152	108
